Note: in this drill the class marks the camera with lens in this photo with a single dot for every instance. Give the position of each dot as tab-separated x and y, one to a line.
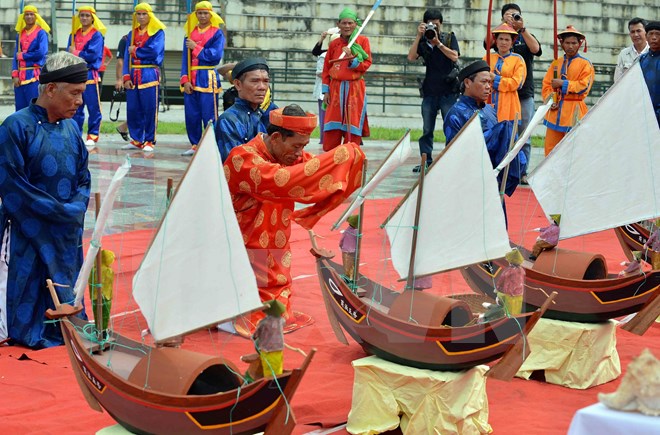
430	31
517	17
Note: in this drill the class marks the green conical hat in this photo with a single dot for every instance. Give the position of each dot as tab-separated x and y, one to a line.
514	257
353	220
556	218
275	308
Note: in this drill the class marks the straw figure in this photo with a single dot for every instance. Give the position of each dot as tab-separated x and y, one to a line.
653	244
548	238
269	338
633	267
511	283
348	246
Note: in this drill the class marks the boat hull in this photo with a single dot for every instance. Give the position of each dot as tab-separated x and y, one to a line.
145	411
632	237
578	300
407	343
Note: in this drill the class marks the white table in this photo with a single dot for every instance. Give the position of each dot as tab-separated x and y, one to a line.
599	419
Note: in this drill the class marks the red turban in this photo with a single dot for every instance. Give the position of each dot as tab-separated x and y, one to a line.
298	124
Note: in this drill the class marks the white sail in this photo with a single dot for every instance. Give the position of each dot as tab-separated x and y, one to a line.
606	170
536	120
196	271
101	219
461	217
397	157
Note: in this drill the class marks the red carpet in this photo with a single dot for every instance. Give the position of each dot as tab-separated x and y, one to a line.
40	394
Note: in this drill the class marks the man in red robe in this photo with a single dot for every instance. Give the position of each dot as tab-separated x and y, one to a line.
266	177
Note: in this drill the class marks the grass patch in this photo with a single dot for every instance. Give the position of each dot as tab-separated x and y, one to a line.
377	133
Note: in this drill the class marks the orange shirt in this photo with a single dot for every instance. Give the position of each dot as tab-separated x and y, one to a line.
510	73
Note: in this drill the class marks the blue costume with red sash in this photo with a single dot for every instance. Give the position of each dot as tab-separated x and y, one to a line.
202	105
89	46
142	68
32	48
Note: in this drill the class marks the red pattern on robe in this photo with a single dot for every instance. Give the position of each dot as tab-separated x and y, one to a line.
264	194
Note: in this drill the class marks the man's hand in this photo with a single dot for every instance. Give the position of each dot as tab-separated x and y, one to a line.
326	100
187	88
190	44
16	81
72	49
131	50
347	50
557	83
128	84
119	84
421	28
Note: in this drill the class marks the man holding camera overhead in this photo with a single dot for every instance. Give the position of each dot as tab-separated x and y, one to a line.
439	92
527	46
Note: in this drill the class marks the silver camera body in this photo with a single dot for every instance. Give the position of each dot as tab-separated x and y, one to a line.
430	31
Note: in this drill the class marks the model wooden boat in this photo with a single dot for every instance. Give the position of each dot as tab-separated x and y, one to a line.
161	389
632	237
417	328
602	175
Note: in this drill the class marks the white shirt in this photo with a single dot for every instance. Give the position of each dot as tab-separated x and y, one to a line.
318	83
626	58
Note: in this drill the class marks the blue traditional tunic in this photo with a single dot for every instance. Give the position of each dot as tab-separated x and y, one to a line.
89	46
238	125
496	134
202	105
30	56
650	63
44	186
143	70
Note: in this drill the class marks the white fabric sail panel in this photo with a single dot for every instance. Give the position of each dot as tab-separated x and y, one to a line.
101	220
400	153
461	217
606	171
196	271
536	120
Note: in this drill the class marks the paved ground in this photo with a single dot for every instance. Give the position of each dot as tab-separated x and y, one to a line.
142	199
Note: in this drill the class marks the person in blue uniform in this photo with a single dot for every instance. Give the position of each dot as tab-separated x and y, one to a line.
200	81
476	86
144	53
44	186
88	34
30	55
244	119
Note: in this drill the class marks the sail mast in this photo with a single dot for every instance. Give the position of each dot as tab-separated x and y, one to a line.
413	246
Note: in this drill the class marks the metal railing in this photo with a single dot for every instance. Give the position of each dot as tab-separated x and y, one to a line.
391	81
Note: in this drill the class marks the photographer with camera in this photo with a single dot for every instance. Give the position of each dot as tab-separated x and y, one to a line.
439	90
528	47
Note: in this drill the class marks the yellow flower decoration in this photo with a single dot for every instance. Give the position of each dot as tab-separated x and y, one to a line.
258	161
271	261
282	177
267	193
312	166
286	259
280	239
244	186
286	217
237	162
227	173
341	154
273	217
286	293
297	192
260	219
325	182
281	279
255	176
263	239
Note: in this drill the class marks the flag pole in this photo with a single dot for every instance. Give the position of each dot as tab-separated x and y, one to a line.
364	24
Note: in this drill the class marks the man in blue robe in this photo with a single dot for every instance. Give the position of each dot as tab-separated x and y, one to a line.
476	86
243	120
44	186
